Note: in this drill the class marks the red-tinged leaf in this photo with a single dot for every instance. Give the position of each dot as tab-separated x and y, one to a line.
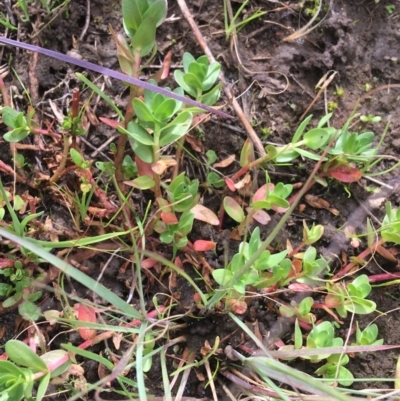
87	314
161	165
261	193
111	123
169	218
195	143
247	153
230	184
3	357
203	213
385	253
197	298
202	245
226	162
346	174
4	263
233	209
262	217
239	307
299	287
166	65
297	266
142	182
245	181
279	209
148	263
143	167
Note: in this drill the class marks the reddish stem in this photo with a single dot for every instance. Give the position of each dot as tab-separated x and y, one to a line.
362	255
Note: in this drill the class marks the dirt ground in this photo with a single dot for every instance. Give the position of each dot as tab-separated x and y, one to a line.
359	40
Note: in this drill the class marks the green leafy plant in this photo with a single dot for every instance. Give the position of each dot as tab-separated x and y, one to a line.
335	372
312	267
198	78
351	297
20	125
370	119
302	312
267	197
368	336
278	266
320	337
25	368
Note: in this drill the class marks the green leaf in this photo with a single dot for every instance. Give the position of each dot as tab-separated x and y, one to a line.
144	38
317	138
223	277
187	59
299	132
360	287
29	311
194	82
165	110
233	209
142	111
41	391
76	157
9	116
176	129
131	14
138	133
199	70
212	96
305	306
17	134
212	76
21	354
360	306
143	152
180	80
142	182
158	11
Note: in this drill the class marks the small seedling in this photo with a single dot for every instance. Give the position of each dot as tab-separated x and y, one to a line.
368	336
351	297
370	119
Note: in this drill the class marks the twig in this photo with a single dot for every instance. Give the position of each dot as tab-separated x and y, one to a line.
249	129
327	81
87	21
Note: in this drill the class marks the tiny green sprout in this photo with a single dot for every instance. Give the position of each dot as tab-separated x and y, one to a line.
350	297
313	234
21	125
390	8
390	229
367	87
368	336
198	78
370	119
268	270
320	337
334	371
113	147
339	91
332	106
266	131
